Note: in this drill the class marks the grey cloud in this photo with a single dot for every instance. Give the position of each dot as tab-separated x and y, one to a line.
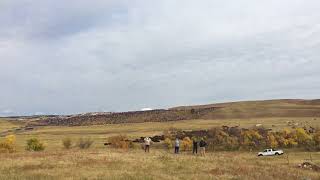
79	56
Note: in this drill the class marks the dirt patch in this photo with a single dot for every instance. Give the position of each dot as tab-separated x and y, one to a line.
309	166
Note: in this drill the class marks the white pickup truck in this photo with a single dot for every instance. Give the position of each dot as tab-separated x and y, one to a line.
270	152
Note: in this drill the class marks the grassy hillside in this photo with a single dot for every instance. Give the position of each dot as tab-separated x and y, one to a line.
52	135
235	110
102	162
260	109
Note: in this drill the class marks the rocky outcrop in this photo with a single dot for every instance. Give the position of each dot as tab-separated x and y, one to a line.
160	115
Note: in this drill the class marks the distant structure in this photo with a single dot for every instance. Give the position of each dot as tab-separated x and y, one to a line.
146	109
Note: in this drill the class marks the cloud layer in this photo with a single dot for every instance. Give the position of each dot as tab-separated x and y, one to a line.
77	56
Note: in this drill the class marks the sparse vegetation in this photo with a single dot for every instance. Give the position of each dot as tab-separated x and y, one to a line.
85	143
67	143
34	144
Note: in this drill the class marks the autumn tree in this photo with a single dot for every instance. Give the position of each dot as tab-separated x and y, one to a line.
302	137
186	143
8	145
251	138
168	143
271	140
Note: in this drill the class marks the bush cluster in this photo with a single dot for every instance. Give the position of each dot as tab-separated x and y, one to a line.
186	144
8	145
120	141
168	144
67	143
219	138
34	144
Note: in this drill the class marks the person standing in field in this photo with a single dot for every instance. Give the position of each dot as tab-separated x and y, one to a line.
195	145
176	146
147	142
202	145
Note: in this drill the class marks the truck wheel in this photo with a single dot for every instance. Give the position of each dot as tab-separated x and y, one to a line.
277	154
260	155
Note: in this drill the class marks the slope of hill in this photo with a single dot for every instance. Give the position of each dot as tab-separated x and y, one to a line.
238	110
261	109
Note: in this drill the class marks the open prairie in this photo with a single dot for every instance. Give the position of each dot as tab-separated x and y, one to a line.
158	164
104	162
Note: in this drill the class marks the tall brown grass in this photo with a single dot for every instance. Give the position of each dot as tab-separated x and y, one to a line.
158	164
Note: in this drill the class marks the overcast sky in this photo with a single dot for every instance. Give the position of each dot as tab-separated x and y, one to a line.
62	57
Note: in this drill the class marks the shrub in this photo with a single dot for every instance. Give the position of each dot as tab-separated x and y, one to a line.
251	138
67	143
316	139
168	143
286	138
303	137
186	143
272	141
8	145
34	144
85	143
120	141
231	143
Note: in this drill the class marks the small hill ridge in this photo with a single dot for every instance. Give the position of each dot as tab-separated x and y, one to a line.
232	110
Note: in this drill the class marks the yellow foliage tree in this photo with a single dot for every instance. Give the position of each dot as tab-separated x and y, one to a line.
8	145
119	141
290	142
168	143
316	137
251	138
302	136
272	141
186	143
287	138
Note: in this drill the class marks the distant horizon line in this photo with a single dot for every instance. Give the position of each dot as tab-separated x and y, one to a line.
142	109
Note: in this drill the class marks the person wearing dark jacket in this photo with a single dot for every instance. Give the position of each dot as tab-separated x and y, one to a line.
202	145
195	146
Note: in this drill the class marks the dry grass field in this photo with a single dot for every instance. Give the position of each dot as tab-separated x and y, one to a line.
52	135
159	164
101	162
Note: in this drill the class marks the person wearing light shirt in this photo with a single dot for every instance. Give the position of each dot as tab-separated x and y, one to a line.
147	142
176	146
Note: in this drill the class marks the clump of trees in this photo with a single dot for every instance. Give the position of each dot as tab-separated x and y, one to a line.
235	138
224	139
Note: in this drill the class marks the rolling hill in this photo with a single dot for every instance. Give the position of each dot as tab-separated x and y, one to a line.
232	110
